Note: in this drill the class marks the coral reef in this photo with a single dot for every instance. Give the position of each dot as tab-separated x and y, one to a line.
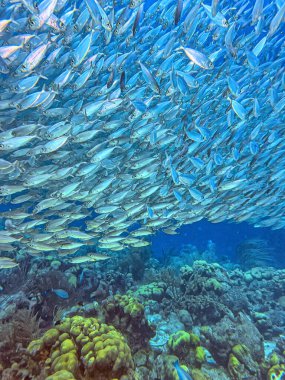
153	291
82	348
164	367
16	332
220	322
128	315
202	287
181	342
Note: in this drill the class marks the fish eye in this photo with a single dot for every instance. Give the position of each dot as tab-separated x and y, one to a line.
211	65
109	25
75	28
61	24
225	23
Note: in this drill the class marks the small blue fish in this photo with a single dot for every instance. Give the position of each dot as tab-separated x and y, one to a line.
61	293
182	374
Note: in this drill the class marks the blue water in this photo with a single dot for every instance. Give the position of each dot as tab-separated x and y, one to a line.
226	237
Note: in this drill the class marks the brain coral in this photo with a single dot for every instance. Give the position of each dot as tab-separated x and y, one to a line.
83	348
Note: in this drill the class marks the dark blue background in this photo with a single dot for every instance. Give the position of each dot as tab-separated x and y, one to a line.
226	236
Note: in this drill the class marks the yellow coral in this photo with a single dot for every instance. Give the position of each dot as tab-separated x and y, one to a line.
61	375
83	347
200	355
181	342
235	367
274	359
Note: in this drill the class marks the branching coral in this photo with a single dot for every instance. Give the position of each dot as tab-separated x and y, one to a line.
15	335
83	348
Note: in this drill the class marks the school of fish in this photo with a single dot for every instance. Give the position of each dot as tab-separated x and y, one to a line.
121	118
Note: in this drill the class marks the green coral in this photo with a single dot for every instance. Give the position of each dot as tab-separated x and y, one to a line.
154	291
274	359
235	367
181	342
83	348
200	355
213	284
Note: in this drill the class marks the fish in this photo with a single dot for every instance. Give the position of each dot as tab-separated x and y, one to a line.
178	11
7	263
182	374
198	58
61	293
115	115
92	257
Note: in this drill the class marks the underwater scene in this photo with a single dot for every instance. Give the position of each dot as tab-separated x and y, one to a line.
142	190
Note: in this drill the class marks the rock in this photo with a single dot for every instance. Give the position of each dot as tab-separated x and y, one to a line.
227	333
185	318
142	373
140	358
